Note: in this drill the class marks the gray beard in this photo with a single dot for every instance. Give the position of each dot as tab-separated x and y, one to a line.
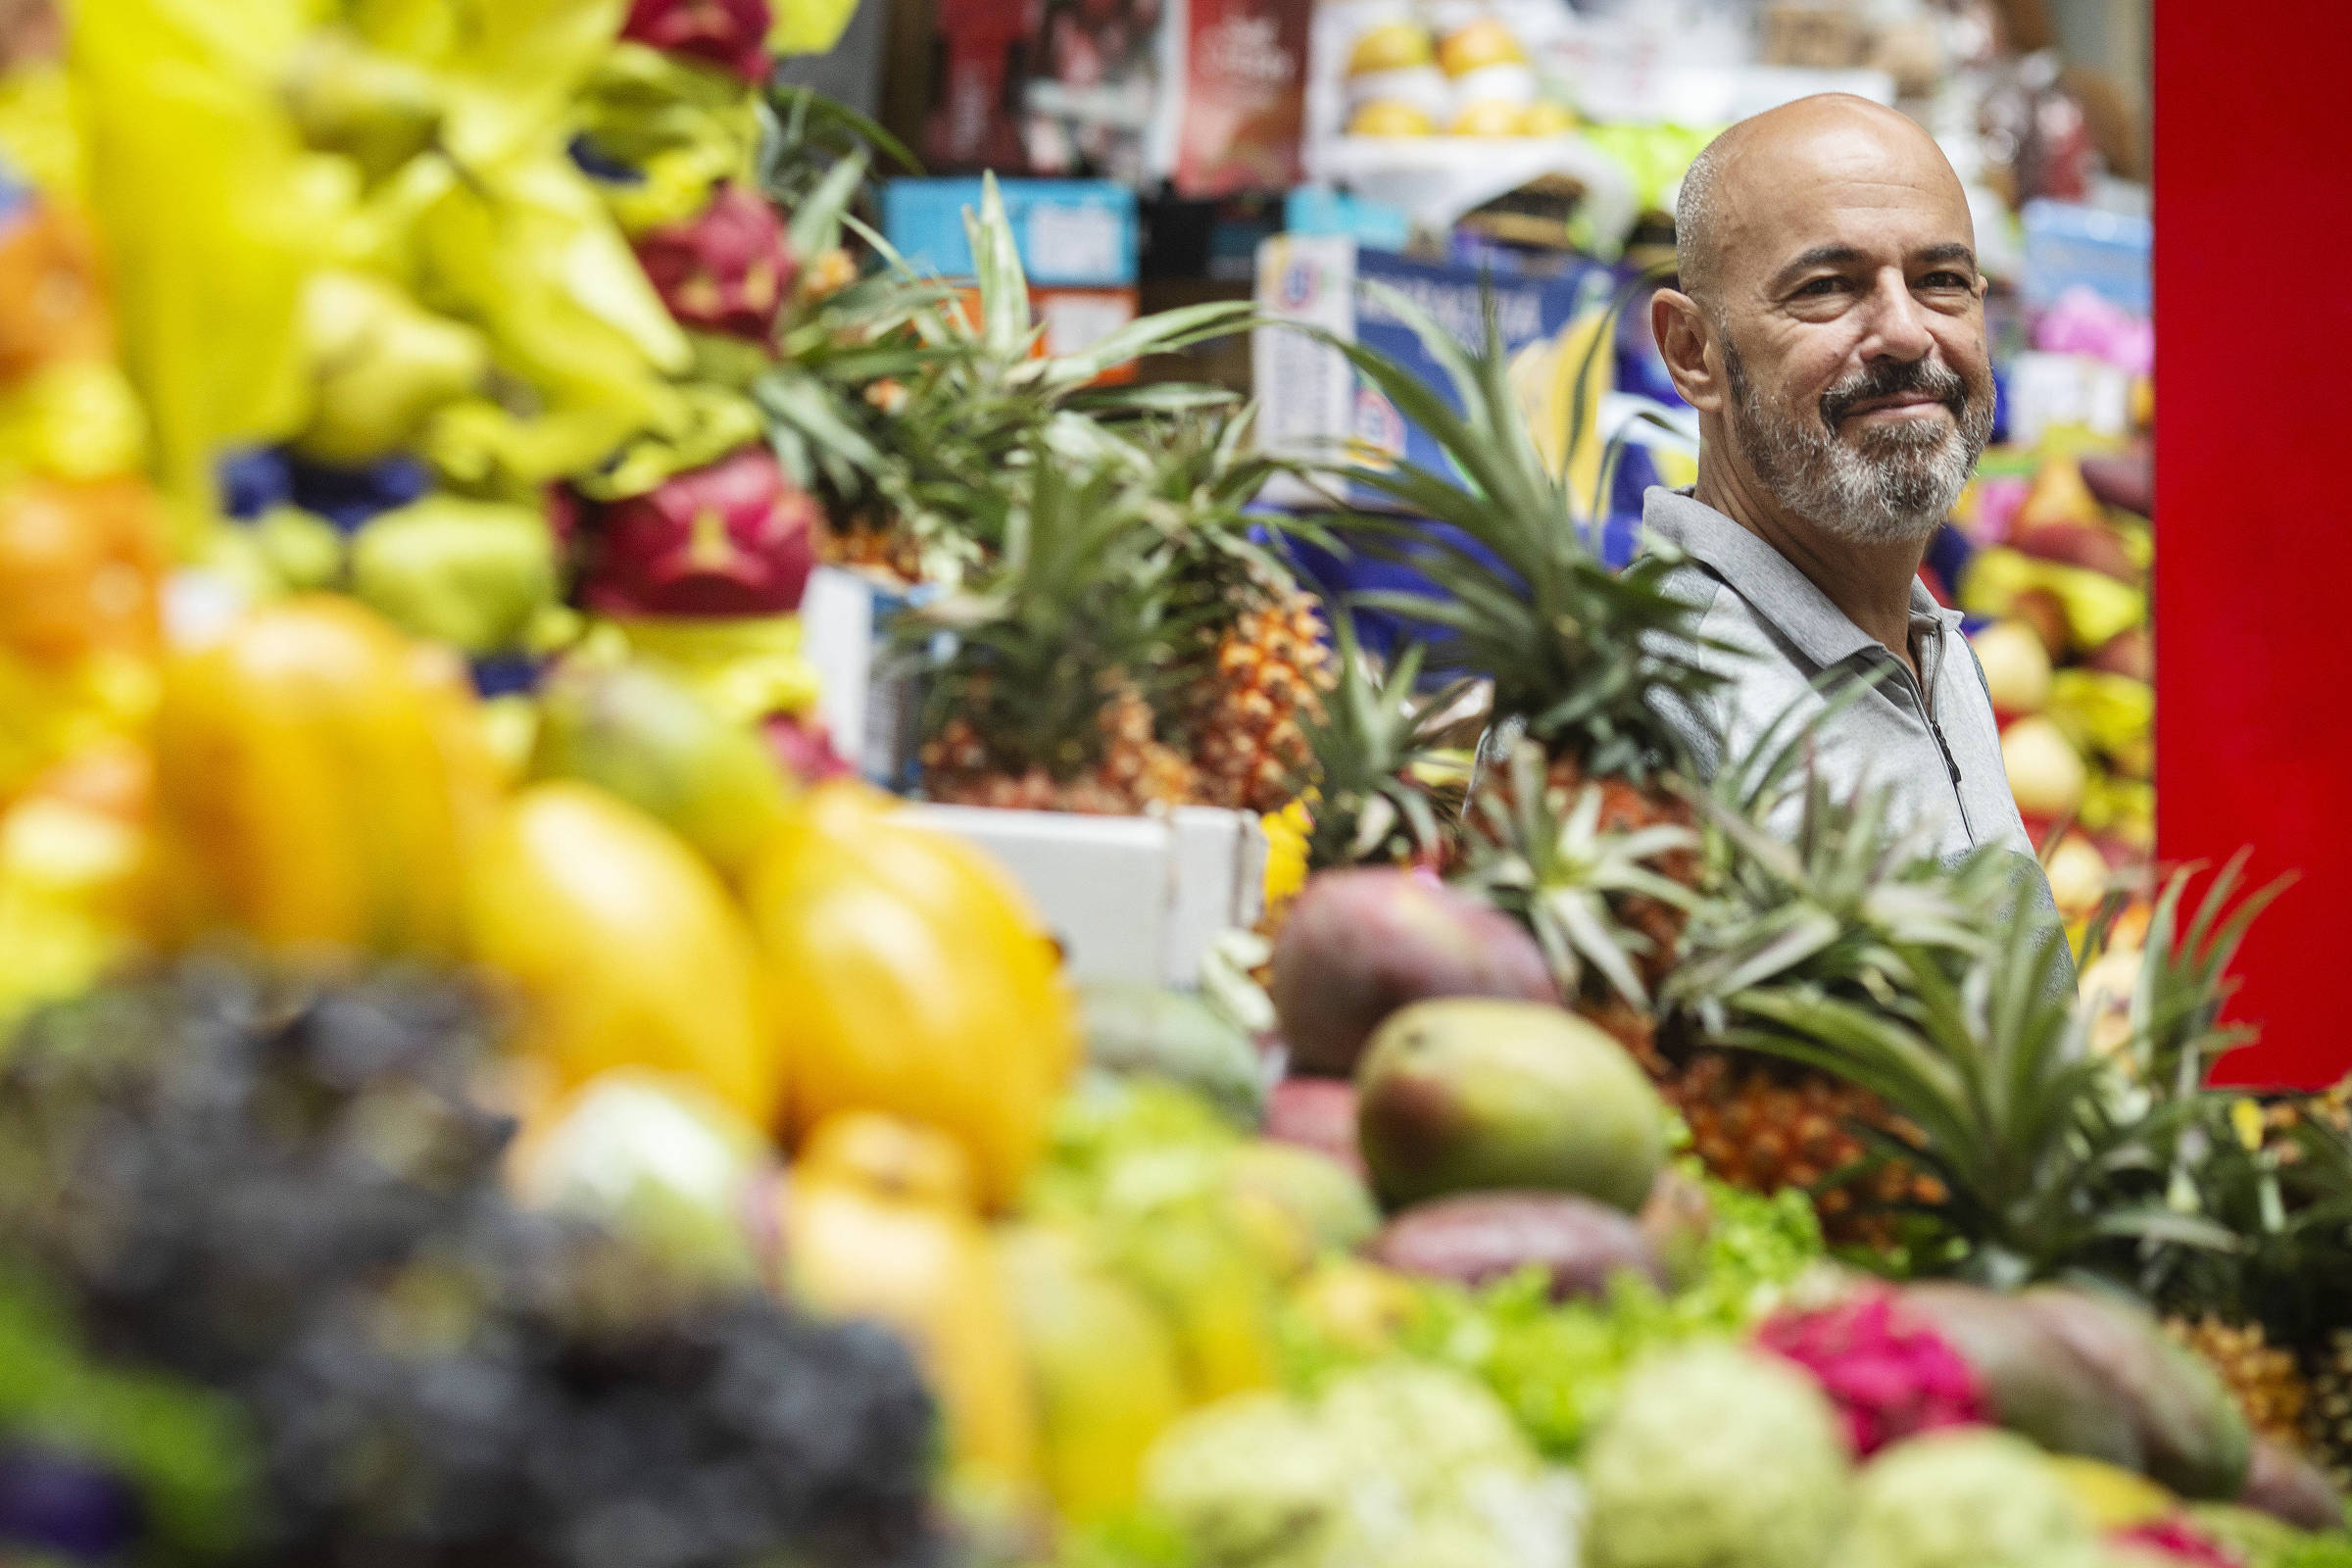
1892	486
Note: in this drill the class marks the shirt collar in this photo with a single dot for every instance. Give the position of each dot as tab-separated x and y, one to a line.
1768	581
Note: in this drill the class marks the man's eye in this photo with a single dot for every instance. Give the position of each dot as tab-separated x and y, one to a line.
1820	287
1941	281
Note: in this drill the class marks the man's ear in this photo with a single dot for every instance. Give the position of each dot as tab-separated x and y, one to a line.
1684	333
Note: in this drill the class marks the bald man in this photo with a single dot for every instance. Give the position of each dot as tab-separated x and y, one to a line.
1828	328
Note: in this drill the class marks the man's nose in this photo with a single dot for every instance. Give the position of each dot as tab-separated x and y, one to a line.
1898	324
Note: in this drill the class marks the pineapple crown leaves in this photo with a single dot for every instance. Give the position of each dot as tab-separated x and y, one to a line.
1580	652
806	139
1992	1073
1376	728
1074	604
1848	905
2184	979
968	394
1842	901
1541	853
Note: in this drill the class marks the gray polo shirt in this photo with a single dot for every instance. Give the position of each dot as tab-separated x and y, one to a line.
1931	737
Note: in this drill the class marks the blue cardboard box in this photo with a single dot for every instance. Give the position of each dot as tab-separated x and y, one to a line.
1313	406
2087	247
1072	233
1312	403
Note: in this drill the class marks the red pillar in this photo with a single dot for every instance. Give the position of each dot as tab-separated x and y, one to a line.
2254	491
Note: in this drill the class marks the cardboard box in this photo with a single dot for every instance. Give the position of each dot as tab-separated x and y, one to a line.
1312	403
1077	243
2071	247
1133	899
1072	233
869	710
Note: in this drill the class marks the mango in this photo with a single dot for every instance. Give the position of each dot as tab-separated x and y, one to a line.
1146	1031
2193	1434
624	947
1297	1205
2035	1384
1475	1239
1468	1094
1102	1366
652	742
1360	944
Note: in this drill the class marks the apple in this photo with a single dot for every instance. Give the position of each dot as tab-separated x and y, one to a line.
2017	668
2045	772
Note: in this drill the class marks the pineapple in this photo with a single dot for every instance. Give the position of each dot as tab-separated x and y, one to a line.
909	402
2328	1412
1255	668
2023	1159
2262	1377
1036	699
1248	711
1599	900
1844	906
1578	659
1378	754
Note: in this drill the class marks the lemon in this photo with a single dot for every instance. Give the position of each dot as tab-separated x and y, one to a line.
1477	44
1393	45
1486	118
1390	118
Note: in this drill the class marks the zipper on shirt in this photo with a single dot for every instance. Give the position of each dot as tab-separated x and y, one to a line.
1944	747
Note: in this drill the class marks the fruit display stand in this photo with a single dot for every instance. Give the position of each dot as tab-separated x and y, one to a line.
480	1085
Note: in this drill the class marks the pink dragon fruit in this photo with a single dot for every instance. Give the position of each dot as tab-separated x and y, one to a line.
1893	1376
2180	1541
731	34
735	538
806	748
726	271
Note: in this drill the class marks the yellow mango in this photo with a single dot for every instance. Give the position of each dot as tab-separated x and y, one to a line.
877	1224
320	784
908	975
625	948
1102	1366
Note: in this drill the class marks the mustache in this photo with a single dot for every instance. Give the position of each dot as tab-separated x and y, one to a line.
1889	379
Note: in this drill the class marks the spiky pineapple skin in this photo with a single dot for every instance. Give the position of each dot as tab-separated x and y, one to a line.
1766	1126
1136	772
2328	1409
1248	711
2262	1377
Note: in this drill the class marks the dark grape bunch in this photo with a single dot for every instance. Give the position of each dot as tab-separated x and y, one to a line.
282	1190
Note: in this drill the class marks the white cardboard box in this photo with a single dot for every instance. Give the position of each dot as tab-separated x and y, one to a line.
1130	897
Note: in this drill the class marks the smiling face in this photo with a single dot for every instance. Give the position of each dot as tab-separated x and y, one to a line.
1833	317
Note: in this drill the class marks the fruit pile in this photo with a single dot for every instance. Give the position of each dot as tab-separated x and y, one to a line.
1412	72
2061	571
569	1125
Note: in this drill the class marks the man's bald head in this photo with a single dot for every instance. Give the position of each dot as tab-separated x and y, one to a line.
1829	326
1758	161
